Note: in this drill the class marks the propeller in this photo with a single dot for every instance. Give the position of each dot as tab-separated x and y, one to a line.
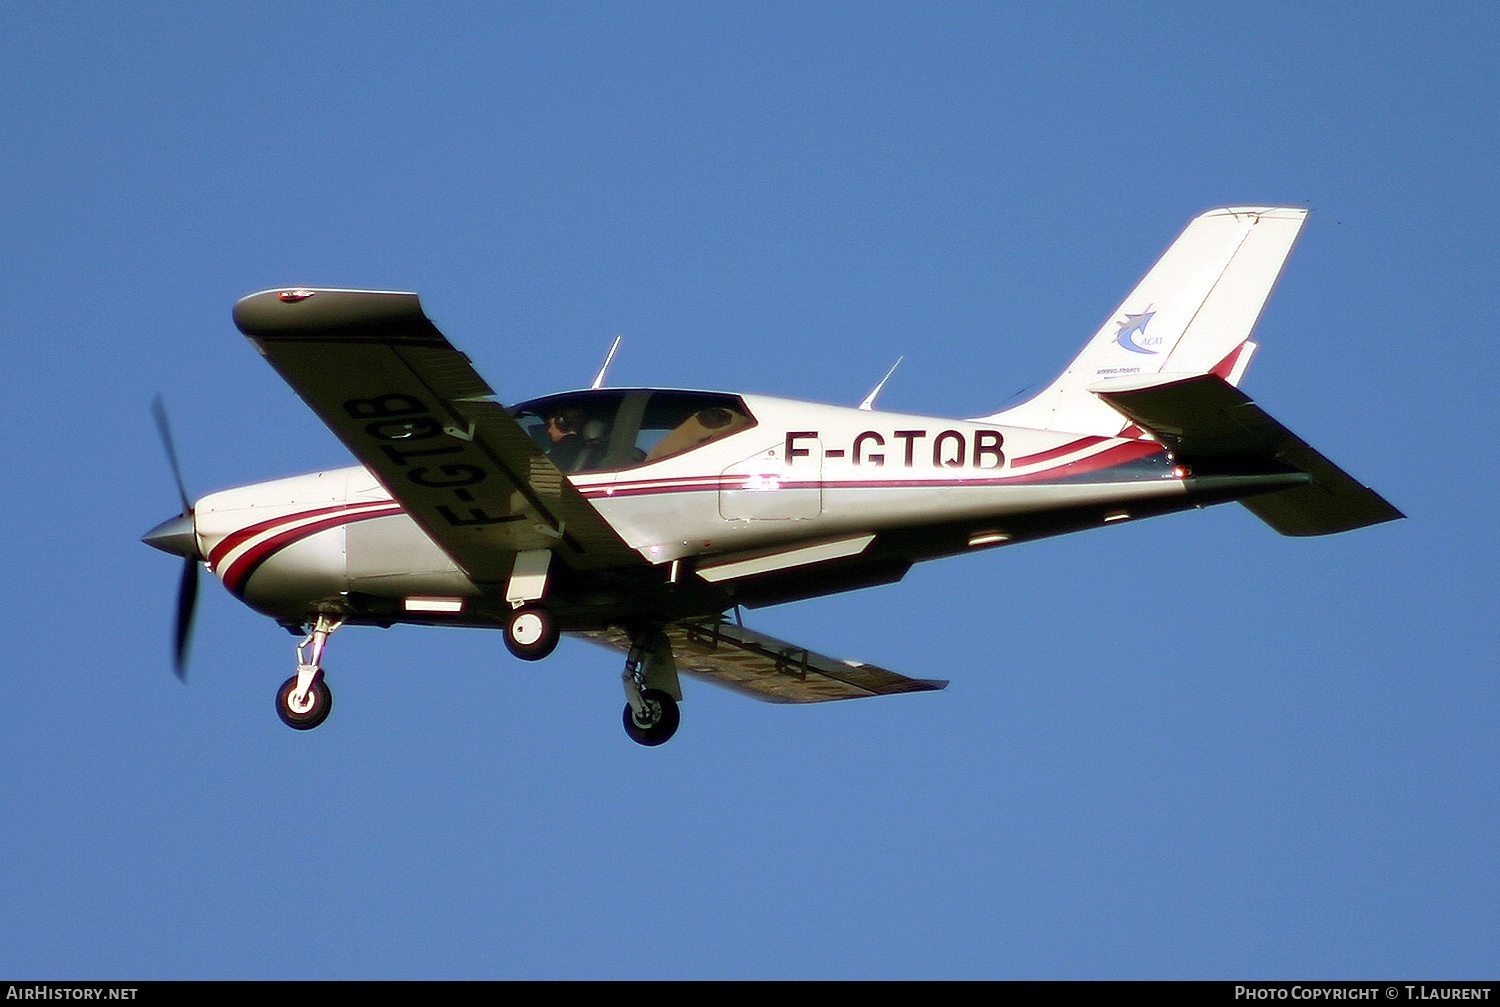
178	536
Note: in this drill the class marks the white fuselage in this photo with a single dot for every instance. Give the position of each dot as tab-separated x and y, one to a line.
803	473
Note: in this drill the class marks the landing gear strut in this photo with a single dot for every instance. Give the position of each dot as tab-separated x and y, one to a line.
304	700
651	690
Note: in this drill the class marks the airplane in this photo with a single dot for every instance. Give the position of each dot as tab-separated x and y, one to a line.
640	518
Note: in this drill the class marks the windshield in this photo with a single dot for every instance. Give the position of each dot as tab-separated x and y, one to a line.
621	428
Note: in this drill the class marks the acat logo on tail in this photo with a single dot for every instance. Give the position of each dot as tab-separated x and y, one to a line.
1132	335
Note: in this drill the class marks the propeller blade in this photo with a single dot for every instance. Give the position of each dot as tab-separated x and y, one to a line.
177	536
164	427
187	601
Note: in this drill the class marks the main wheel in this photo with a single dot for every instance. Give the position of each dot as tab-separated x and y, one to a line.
531	634
311	712
661	724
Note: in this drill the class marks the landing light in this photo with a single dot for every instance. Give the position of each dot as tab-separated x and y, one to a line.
980	538
417	604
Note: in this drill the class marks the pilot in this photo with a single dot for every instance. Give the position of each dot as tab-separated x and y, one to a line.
563	426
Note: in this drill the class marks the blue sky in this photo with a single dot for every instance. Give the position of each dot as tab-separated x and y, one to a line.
1180	748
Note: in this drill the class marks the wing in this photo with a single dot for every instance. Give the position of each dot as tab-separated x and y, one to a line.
767	668
414	411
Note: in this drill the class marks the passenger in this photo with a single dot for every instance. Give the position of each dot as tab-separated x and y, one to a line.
563	426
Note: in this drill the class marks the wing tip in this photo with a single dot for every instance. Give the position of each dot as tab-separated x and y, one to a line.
278	310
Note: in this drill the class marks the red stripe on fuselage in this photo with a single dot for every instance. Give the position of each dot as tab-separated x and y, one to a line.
239	571
240	536
1119	454
1058	452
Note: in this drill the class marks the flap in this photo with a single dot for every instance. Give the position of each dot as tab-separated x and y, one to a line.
767	668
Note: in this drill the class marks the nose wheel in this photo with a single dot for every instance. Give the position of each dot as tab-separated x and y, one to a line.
304	710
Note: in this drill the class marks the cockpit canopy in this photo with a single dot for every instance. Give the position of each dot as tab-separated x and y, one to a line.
620	428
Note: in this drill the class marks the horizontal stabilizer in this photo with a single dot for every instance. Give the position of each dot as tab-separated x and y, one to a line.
1203	418
767	668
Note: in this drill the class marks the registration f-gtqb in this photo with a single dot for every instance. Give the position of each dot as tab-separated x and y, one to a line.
639	517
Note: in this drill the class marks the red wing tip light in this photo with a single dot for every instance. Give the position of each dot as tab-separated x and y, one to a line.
293	296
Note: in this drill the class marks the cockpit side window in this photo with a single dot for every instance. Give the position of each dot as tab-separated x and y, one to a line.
680	421
572	430
611	429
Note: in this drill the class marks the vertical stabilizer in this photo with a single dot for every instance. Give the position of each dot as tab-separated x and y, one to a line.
1191	314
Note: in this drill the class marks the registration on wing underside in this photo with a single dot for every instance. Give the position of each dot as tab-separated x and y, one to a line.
414	411
767	668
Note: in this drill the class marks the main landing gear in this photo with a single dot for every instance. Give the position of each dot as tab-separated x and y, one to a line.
651	690
304	700
532	633
655	721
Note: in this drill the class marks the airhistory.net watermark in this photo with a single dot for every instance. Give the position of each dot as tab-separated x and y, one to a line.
44	991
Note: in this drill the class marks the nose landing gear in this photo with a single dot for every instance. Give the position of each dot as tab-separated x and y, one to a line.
304	700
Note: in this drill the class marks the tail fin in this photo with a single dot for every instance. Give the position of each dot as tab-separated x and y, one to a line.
1191	314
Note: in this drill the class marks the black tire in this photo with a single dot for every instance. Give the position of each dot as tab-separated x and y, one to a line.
322	704
537	631
661	729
